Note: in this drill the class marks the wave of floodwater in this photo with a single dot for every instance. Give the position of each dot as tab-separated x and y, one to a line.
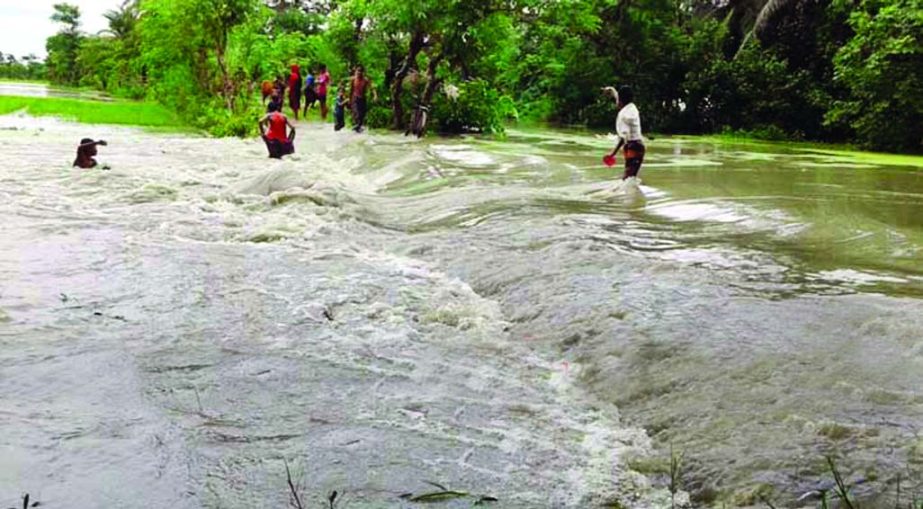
485	314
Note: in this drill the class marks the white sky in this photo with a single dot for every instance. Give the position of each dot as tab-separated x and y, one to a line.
25	24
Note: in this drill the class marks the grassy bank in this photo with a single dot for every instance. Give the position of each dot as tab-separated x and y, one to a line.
143	114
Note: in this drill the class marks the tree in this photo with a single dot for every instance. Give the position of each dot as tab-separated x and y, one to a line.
69	16
62	47
122	21
172	49
882	66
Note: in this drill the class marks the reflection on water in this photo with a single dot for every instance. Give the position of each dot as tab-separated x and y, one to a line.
495	315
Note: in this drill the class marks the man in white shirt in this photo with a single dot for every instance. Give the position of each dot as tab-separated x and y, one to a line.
628	128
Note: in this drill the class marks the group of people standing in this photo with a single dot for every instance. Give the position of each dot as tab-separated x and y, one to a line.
314	86
311	85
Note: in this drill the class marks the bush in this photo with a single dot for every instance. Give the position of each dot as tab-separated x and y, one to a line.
882	65
379	115
478	108
762	132
753	91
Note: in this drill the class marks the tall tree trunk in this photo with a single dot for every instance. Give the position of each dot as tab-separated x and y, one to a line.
227	85
431	85
431	82
352	53
397	85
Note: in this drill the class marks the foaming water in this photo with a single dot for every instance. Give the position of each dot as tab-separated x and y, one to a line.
498	316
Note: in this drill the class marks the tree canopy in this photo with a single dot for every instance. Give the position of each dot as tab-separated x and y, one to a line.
834	70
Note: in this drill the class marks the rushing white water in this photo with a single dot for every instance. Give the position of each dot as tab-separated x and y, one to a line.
380	312
179	326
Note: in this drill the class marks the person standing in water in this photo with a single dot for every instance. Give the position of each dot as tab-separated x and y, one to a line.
86	153
358	97
266	89
279	85
323	81
276	100
339	109
294	90
278	142
628	129
310	93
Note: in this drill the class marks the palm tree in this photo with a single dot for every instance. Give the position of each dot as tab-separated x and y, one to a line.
767	14
746	19
122	21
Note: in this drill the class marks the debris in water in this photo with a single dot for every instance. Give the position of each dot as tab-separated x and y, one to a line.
445	494
438	496
332	498
437	485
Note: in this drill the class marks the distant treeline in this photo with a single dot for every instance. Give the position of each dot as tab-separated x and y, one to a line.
28	67
832	70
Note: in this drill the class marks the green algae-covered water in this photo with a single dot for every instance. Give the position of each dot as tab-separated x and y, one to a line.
493	315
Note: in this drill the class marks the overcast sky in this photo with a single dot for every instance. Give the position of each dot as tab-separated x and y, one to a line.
25	24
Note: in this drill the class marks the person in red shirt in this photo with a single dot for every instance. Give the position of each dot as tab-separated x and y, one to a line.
278	142
294	90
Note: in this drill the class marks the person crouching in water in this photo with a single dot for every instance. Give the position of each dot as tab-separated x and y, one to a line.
277	141
339	108
628	129
86	152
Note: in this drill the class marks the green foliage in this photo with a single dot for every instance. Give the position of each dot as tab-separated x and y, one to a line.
63	46
835	70
478	107
27	68
752	92
882	66
378	115
201	70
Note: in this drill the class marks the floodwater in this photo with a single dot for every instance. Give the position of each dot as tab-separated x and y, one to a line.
43	90
493	316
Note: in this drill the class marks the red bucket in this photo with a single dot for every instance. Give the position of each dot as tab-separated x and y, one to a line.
609	160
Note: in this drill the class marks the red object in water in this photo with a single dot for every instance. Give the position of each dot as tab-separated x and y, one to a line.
609	160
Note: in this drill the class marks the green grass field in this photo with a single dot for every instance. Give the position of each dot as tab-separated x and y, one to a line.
143	114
